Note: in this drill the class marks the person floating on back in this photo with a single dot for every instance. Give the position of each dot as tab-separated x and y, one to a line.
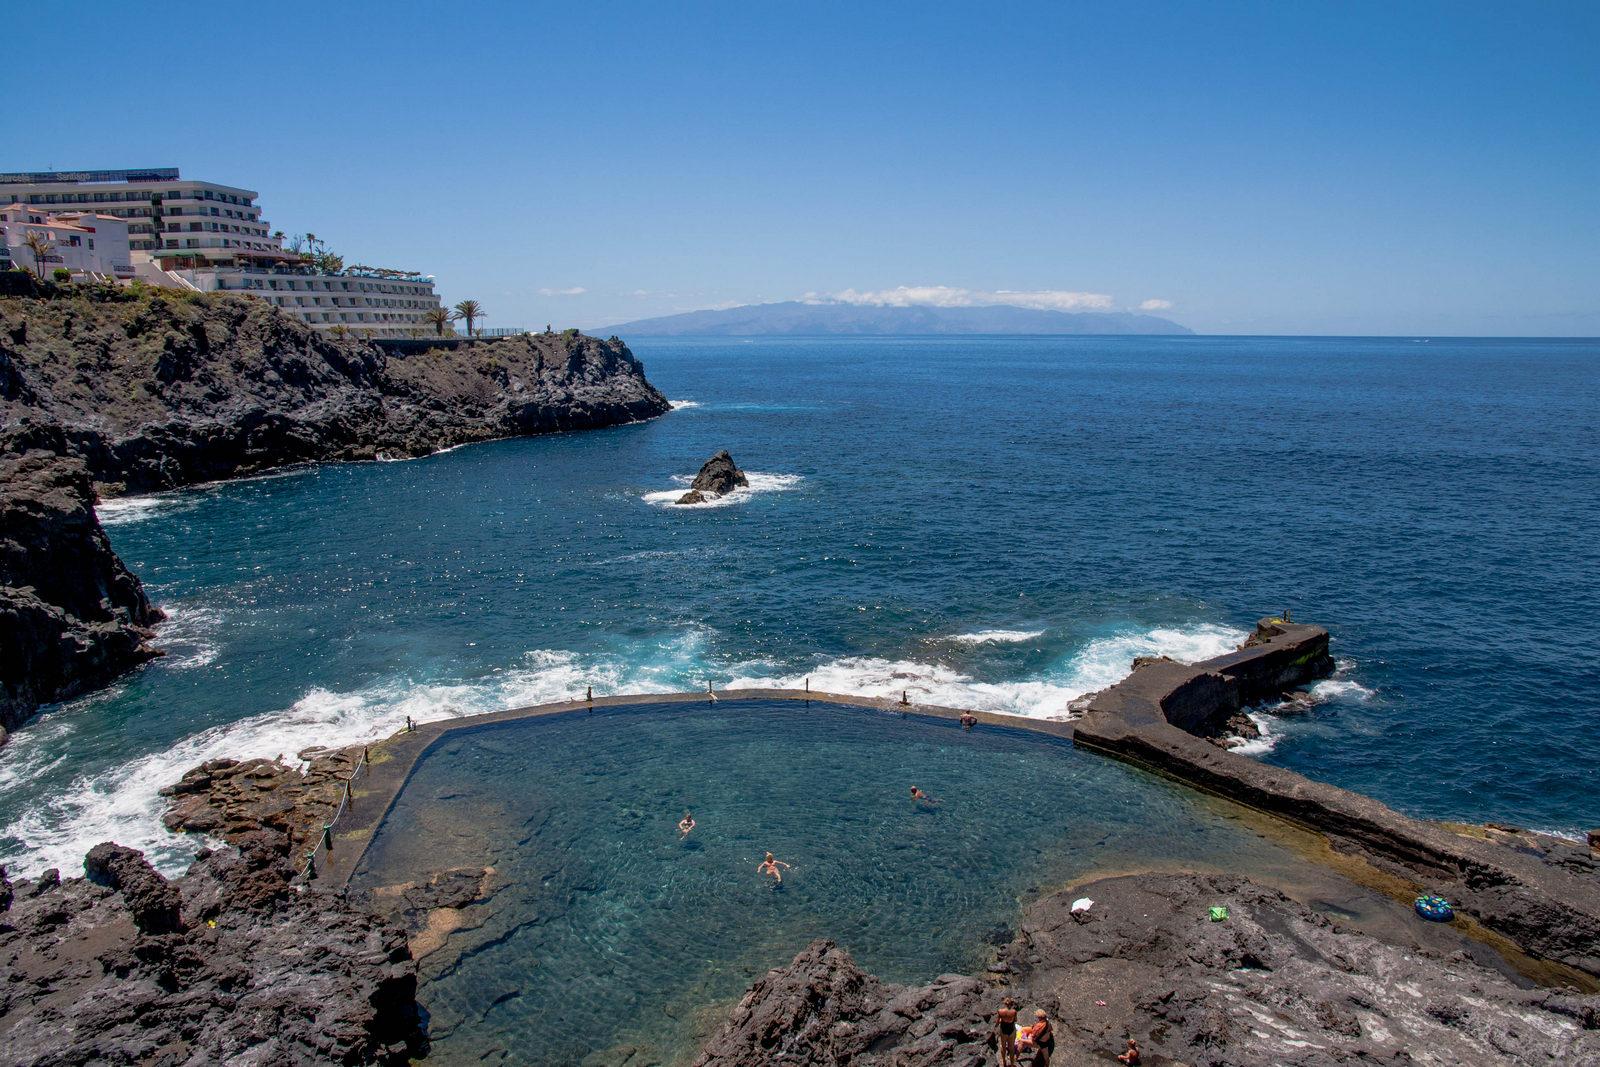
769	867
1005	1029
685	824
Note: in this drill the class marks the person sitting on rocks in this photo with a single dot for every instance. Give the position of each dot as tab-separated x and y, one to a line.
1005	1029
1131	1056
685	824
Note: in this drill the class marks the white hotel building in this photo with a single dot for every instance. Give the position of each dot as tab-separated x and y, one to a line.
91	247
200	235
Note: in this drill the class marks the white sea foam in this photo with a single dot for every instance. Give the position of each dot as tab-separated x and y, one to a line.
188	636
995	637
120	511
1270	723
759	483
124	803
1266	741
1102	662
683	405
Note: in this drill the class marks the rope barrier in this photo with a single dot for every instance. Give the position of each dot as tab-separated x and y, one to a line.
347	800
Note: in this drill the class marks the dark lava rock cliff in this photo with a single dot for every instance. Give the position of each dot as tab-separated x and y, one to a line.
228	964
156	389
72	617
1274	984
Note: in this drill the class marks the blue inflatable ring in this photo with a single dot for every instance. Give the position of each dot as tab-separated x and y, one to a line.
1435	909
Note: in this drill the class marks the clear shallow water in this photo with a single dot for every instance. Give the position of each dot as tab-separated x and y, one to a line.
1435	504
606	929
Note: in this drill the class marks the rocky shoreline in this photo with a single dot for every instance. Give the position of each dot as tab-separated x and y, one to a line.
1274	983
229	963
72	617
105	391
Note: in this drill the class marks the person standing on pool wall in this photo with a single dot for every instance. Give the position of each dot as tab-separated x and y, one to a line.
685	824
769	867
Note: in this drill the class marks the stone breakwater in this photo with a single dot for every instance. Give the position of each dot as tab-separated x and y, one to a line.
72	617
227	964
1546	899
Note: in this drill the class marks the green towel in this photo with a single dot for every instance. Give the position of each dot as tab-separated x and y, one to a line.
1218	914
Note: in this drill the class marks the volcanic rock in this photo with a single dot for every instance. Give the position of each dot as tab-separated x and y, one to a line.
233	799
72	617
250	971
718	477
161	390
1274	984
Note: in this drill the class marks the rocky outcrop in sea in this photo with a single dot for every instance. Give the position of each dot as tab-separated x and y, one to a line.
72	617
1274	984
718	476
229	963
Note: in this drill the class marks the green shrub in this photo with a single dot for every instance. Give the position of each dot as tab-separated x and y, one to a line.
570	333
61	274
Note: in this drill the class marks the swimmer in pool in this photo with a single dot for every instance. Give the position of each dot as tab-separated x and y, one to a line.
968	720
769	867
920	797
685	825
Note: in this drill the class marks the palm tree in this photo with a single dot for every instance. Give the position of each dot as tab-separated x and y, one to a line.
40	245
470	310
439	318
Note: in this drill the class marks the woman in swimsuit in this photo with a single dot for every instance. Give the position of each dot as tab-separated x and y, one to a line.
685	825
1005	1028
769	866
1044	1039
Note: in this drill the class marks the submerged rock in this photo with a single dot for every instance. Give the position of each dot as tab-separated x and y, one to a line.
227	964
1274	984
718	477
72	617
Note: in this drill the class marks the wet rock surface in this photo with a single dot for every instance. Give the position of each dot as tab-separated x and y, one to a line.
232	799
1274	983
719	476
227	964
72	617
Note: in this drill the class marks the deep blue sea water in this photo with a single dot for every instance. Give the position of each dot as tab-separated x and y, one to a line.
995	522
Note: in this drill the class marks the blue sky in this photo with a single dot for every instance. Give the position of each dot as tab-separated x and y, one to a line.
1263	168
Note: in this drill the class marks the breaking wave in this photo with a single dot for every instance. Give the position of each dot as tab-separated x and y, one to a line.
995	637
124	803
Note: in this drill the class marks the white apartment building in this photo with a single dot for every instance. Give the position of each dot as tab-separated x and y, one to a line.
88	245
210	237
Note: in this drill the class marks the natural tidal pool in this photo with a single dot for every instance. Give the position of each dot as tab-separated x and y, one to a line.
604	929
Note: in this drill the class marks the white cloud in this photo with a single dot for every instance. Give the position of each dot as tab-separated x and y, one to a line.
575	290
944	296
1155	304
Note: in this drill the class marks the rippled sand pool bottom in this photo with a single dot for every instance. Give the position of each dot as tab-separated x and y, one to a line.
608	931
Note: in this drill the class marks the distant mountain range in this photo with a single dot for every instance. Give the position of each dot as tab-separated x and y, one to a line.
794	318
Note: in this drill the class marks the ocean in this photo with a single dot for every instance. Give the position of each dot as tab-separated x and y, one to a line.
999	523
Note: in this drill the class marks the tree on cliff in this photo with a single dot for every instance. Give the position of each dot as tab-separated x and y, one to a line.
439	319
470	310
40	245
